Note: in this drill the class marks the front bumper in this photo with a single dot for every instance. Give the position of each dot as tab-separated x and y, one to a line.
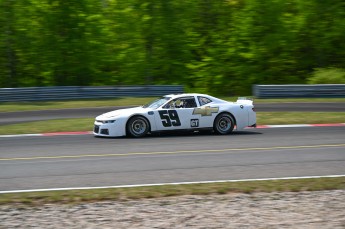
100	131
115	129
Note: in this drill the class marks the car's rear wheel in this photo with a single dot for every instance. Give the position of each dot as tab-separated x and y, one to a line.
224	124
138	126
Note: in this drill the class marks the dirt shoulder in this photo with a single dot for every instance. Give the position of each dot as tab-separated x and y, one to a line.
318	209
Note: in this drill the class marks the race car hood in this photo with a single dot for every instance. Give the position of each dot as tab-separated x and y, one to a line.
120	112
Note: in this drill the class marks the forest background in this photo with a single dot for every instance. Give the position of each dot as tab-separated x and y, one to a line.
221	47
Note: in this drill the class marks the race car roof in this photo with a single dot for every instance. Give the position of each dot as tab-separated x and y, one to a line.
173	96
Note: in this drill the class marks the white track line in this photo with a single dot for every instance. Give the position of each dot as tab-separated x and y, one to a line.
161	184
20	135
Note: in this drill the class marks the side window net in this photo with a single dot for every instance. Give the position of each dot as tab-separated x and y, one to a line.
189	103
181	103
204	100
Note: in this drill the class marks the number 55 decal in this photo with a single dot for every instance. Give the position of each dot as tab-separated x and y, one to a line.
169	118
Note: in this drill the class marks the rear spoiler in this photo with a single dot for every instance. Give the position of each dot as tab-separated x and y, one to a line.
245	100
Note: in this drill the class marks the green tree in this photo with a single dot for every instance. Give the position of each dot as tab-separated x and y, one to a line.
327	76
218	47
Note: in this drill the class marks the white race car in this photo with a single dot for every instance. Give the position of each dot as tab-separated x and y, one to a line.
177	112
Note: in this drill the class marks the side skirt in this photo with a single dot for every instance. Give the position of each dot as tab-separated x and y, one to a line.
182	130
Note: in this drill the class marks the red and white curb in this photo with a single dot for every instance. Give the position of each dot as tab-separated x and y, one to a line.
299	125
90	132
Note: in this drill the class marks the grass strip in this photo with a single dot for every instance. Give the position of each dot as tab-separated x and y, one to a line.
86	124
123	194
31	106
48	126
279	118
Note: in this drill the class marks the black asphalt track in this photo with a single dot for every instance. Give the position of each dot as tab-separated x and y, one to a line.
86	161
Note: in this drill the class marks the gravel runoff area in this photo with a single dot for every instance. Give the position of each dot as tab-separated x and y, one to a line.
318	209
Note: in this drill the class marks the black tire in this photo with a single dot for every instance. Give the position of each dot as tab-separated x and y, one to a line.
138	126
224	124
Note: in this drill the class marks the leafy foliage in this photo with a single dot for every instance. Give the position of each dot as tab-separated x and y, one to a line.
327	76
220	47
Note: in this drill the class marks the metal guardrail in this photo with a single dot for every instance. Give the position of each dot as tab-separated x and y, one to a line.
76	92
299	91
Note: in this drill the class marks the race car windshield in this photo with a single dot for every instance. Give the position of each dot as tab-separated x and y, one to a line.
157	103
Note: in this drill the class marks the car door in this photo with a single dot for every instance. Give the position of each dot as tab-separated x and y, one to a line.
206	112
177	114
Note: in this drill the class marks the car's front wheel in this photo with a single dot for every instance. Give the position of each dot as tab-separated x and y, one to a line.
224	124
138	126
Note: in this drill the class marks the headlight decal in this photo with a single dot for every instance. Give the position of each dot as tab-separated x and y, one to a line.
106	121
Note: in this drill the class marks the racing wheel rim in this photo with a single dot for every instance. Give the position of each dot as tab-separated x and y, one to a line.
138	127
224	124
